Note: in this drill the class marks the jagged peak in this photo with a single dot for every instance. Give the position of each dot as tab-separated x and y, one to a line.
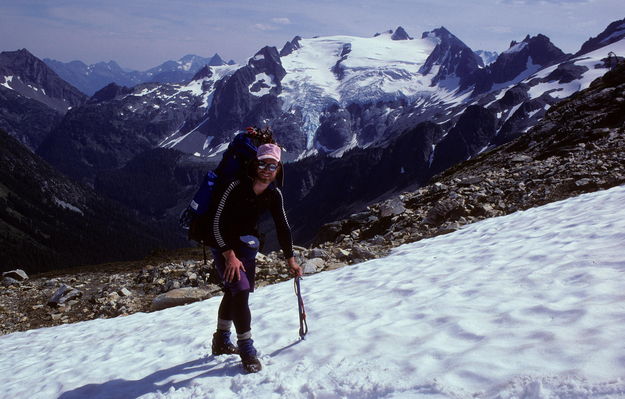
296	40
264	53
291	46
531	39
24	51
216	60
400	34
440	33
454	57
540	47
446	37
267	60
205	72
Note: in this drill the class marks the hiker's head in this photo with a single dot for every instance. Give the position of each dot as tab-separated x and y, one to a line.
268	164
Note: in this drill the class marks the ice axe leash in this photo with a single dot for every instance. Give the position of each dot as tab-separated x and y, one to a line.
303	326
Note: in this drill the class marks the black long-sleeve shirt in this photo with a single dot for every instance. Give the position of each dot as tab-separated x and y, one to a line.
237	211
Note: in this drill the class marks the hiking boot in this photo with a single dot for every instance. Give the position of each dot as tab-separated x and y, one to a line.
222	344
248	354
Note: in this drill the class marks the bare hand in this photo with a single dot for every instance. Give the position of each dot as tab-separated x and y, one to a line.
296	270
234	266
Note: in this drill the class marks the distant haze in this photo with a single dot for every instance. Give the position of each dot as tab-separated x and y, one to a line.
141	34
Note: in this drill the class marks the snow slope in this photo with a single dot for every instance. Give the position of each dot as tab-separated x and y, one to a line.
529	305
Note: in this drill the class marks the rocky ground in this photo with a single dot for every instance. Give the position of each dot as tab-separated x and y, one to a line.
578	147
120	289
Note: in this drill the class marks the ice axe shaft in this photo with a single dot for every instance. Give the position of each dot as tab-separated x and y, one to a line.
303	325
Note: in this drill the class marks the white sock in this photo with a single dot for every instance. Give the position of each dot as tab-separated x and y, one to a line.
224	325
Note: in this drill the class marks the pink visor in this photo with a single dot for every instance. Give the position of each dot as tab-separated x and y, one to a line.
268	151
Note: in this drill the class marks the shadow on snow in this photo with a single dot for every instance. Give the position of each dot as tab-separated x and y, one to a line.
121	388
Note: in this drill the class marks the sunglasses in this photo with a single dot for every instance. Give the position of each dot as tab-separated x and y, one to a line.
272	167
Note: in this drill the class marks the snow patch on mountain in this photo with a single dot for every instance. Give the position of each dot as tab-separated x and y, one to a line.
191	140
7	82
488	57
145	91
512	111
516	48
262	86
203	88
217	150
194	87
185	67
592	61
67	205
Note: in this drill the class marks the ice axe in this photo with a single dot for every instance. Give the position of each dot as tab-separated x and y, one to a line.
303	326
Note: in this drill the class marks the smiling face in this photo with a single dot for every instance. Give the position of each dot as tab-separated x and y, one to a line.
267	170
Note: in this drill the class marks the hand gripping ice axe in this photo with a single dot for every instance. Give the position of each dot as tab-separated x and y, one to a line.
303	326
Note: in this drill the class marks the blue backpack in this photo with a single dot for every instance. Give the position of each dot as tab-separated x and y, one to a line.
233	165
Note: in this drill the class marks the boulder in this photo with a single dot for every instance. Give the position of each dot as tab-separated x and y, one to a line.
64	294
377	240
180	296
445	210
9	281
341	253
17	274
392	207
313	265
360	252
319	253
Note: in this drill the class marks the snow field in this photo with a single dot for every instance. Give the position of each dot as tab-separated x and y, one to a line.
529	305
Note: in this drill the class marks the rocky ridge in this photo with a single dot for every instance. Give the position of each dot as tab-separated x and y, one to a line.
577	148
32	97
91	78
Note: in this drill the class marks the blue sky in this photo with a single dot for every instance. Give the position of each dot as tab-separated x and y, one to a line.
140	34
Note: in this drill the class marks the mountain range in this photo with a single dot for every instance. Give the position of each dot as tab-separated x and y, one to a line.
370	116
91	78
